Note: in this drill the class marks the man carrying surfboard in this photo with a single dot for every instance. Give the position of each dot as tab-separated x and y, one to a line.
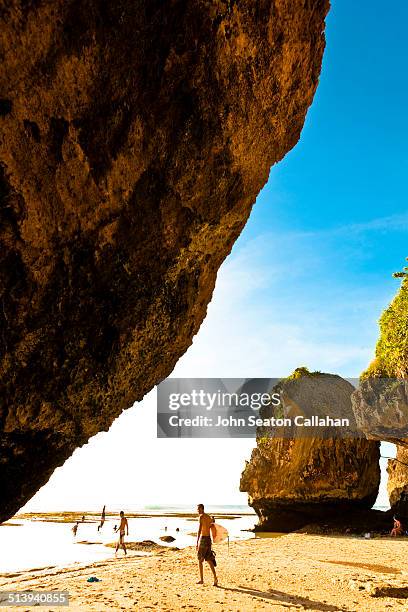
204	549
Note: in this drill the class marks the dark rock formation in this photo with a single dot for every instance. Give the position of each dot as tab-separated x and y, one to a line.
167	538
135	137
358	522
310	477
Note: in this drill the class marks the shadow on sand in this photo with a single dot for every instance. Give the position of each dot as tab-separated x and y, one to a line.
280	596
372	567
399	592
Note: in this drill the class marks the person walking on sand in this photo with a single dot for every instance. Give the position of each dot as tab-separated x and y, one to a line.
204	550
123	526
75	529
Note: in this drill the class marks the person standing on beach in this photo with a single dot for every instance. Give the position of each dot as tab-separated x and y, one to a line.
204	550
123	526
103	516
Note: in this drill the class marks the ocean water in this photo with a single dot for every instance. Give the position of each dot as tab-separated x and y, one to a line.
381	507
28	544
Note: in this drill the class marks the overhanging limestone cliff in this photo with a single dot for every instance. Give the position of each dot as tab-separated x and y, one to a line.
134	139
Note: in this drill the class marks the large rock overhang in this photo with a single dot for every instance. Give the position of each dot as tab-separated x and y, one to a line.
135	137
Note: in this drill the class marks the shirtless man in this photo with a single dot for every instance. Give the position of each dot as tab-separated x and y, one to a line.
122	527
204	551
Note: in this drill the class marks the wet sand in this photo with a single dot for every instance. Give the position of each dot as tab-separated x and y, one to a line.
95	517
292	572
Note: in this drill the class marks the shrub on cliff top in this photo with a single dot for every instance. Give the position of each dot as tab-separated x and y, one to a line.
302	371
391	354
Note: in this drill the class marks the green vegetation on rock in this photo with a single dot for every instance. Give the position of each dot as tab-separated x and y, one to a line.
302	371
391	354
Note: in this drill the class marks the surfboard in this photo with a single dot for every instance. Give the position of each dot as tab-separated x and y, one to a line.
219	533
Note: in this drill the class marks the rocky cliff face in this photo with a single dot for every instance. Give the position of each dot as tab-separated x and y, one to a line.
381	408
381	403
311	477
135	137
398	483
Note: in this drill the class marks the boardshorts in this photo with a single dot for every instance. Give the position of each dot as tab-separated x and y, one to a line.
204	552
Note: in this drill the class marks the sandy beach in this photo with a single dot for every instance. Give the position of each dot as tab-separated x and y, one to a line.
291	572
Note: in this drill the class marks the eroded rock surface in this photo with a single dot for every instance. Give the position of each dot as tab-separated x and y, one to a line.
310	477
381	408
398	483
134	139
381	402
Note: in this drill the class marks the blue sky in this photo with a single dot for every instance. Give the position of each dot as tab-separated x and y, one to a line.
342	189
306	282
351	162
